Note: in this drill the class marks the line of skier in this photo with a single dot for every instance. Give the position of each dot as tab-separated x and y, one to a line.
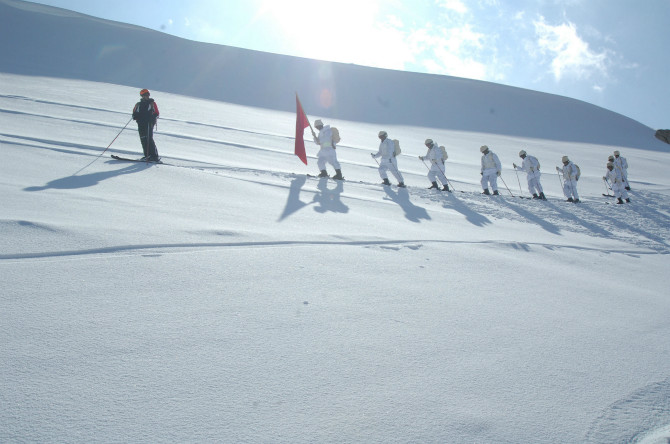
616	177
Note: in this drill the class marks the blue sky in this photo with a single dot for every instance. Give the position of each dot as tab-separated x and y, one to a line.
612	53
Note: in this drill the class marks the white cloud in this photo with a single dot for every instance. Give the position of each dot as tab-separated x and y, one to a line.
570	55
454	5
451	51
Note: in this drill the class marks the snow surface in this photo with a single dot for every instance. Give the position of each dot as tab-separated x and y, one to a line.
225	296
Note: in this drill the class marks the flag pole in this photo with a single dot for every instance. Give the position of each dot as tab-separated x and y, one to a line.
308	122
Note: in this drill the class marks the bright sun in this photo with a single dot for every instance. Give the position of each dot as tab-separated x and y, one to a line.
344	31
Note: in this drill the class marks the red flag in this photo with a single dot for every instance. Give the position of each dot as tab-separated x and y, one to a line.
301	123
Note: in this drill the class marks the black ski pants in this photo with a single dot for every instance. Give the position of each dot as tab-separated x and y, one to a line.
146	130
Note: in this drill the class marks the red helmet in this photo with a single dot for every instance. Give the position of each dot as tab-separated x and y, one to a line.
144	91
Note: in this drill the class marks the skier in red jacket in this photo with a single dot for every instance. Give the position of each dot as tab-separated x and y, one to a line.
145	114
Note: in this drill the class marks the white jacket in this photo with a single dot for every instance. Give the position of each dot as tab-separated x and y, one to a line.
434	154
386	149
620	163
570	171
614	176
491	161
529	165
325	137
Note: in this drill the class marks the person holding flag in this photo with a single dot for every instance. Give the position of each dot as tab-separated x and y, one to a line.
327	152
324	139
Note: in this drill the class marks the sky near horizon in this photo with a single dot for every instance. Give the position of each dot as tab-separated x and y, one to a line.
611	53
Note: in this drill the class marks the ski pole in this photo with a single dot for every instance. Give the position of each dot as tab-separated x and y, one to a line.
100	155
503	181
110	143
445	176
517	179
424	164
558	174
438	167
608	187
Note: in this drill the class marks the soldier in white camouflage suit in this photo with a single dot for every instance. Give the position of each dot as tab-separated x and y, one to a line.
531	166
616	181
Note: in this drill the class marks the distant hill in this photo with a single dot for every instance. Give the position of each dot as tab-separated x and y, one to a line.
46	41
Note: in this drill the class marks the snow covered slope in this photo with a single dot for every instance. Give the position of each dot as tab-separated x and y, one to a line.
40	40
226	296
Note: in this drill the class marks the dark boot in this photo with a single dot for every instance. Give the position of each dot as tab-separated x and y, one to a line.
535	196
434	185
338	175
445	188
628	200
542	196
570	199
576	201
619	201
324	173
496	193
386	182
486	191
401	185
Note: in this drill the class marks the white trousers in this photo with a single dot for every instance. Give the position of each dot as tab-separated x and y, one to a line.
390	165
490	178
534	186
624	173
570	188
619	190
325	155
437	172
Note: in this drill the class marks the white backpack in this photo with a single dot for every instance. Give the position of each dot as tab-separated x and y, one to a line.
396	148
444	153
534	160
336	134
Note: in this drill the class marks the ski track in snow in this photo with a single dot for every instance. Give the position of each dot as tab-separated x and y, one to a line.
644	223
642	417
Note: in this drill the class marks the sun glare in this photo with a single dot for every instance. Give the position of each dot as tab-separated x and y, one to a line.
346	31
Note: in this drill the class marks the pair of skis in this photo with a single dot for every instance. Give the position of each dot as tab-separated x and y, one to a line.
127	159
